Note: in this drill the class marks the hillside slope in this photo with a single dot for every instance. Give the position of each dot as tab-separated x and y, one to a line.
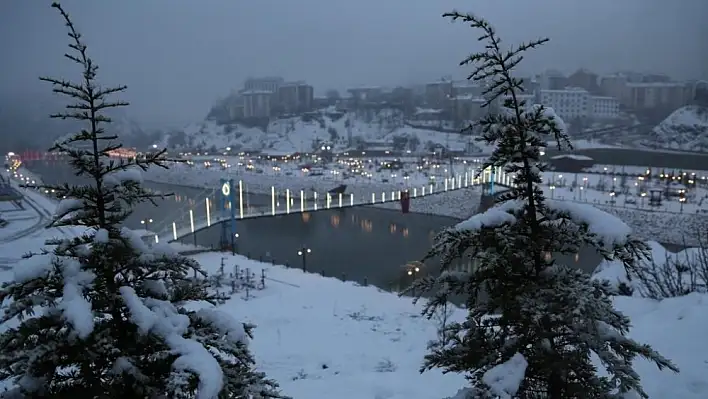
303	133
685	129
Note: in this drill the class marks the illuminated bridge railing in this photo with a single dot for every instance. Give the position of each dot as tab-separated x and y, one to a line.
283	202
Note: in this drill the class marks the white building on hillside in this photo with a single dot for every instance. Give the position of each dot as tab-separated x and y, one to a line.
570	103
268	83
257	104
573	102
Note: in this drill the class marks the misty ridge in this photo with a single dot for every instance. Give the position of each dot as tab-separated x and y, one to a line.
180	67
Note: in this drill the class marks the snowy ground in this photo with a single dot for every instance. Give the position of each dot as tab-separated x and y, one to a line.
358	342
598	189
30	232
672	222
18	222
320	337
684	129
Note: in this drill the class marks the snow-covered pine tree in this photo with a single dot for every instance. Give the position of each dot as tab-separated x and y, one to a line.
102	314
533	325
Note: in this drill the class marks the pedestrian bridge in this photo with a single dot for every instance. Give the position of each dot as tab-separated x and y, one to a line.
232	206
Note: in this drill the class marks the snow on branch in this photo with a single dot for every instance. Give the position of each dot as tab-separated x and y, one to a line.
74	305
33	267
492	217
608	229
123	175
162	319
67	206
504	379
233	330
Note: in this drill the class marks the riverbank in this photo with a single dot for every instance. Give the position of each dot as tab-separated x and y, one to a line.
686	230
458	204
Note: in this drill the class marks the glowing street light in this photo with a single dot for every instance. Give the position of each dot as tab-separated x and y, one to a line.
302	253
146	223
234	244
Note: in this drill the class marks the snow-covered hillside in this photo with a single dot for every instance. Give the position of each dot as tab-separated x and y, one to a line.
327	126
685	129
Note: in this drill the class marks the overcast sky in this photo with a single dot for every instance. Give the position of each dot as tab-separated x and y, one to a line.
178	56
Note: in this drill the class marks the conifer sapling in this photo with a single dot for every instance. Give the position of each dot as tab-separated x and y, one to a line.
101	314
533	323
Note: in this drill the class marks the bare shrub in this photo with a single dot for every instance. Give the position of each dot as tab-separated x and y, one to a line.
678	275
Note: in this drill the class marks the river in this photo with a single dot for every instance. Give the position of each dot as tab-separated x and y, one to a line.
648	158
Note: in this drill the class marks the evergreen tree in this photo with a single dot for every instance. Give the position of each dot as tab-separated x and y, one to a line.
532	324
101	314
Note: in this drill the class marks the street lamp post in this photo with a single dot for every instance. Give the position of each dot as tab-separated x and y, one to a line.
413	270
302	253
146	223
553	189
234	244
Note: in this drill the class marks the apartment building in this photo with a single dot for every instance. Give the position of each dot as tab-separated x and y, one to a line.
646	92
603	107
295	97
359	94
574	102
569	103
257	103
613	85
649	95
585	80
552	80
437	94
268	83
468	107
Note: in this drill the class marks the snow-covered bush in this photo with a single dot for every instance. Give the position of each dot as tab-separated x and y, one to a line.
665	275
103	315
533	325
674	275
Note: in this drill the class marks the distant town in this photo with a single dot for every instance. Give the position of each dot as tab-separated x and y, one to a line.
580	99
